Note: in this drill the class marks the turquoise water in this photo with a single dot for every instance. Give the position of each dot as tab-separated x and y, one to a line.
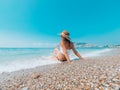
13	53
12	59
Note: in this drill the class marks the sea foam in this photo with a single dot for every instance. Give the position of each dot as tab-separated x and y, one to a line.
17	59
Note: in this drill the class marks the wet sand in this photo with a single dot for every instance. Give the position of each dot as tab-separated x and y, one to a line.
96	73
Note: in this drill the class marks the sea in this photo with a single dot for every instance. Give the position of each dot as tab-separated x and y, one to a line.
13	59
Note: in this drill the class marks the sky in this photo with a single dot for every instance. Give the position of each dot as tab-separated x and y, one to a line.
37	23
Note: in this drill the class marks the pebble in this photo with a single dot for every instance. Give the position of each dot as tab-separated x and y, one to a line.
25	88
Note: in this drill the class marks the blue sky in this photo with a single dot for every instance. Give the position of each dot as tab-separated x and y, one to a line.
34	23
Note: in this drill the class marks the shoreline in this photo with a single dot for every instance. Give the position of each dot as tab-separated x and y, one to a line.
17	63
93	73
31	65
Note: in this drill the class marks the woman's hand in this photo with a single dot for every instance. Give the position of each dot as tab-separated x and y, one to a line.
69	62
82	58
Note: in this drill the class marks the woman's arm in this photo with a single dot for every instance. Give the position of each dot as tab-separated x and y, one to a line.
65	53
75	51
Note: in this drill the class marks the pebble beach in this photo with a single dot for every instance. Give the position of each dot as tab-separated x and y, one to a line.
95	73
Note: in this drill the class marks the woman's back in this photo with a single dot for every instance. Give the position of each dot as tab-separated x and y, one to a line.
67	45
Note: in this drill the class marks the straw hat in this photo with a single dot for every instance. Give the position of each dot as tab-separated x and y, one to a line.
66	35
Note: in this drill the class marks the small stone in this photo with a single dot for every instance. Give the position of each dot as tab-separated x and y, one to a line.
101	88
119	76
102	79
25	88
74	88
115	80
35	76
87	87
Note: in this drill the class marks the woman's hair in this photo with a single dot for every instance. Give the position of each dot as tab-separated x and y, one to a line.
65	35
66	40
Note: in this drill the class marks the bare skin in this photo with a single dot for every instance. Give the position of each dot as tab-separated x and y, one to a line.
65	46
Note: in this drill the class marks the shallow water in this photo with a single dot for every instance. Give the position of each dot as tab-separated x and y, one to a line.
12	59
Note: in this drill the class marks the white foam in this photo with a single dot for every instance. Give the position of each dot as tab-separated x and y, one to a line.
25	64
90	53
96	53
14	65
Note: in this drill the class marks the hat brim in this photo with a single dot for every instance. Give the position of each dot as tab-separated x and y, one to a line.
65	36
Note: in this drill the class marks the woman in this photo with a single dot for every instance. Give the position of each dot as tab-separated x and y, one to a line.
61	52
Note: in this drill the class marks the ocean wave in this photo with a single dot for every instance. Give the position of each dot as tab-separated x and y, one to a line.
96	53
32	59
15	65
